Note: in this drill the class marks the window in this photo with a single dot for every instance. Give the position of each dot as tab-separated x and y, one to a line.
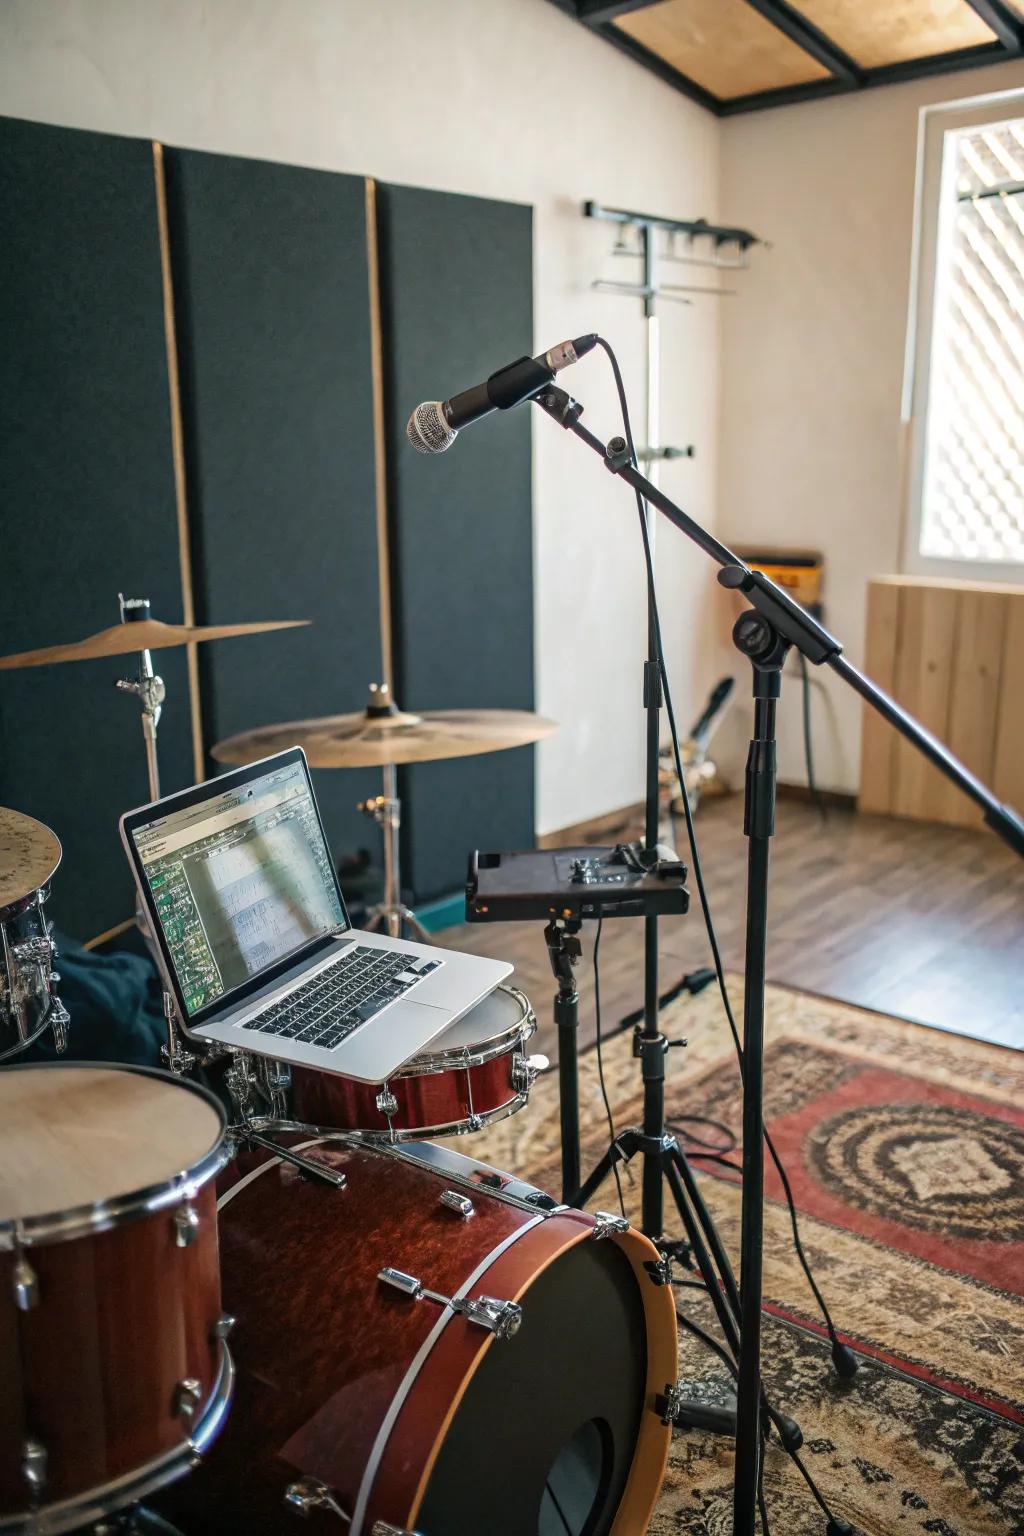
967	476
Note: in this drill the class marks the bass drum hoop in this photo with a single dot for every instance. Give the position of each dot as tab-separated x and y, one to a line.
433	1063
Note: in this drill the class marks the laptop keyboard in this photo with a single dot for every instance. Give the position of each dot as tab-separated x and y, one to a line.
337	1000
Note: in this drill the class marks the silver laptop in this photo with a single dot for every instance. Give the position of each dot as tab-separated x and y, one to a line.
256	945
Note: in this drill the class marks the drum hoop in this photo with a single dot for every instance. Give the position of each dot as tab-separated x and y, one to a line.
95	1503
417	1363
464	1127
432	1063
82	1220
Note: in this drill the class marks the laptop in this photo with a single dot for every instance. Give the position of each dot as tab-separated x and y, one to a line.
254	940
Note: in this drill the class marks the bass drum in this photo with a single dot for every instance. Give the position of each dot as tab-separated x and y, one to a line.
435	1349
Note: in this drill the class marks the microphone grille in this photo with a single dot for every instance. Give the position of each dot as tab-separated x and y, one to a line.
427	429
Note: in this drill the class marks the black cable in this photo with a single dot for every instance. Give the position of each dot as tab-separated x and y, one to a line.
839	1350
808	743
600	1057
719	1125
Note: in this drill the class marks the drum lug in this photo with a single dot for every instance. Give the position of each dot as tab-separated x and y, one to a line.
26	1286
188	1394
660	1270
606	1224
386	1102
310	1493
34	1465
223	1326
668	1403
186	1226
502	1318
526	1070
462	1205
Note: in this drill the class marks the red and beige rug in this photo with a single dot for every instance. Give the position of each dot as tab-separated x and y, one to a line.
905	1149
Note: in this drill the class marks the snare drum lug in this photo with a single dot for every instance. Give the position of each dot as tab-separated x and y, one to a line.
526	1070
34	1466
188	1394
26	1286
310	1493
605	1224
462	1205
186	1226
386	1102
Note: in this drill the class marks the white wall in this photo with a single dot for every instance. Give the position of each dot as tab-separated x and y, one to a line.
498	98
810	442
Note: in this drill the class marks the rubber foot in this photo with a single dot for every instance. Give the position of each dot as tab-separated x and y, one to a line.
836	1527
845	1362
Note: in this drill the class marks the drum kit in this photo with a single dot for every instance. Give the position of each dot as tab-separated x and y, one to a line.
398	1304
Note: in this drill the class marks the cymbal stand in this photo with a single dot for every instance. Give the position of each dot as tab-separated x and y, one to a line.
150	690
390	914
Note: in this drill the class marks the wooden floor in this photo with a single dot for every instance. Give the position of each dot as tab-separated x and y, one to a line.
922	921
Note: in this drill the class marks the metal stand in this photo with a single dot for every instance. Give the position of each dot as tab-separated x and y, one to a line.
390	914
562	939
774	623
151	692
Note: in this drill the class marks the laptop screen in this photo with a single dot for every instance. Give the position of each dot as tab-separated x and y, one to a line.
239	881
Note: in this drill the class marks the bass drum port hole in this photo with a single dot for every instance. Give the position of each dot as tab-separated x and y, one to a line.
575	1488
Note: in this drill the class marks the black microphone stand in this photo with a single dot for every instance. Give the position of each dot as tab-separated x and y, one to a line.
764	633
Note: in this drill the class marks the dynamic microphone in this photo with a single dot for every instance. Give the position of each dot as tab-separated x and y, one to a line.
434	425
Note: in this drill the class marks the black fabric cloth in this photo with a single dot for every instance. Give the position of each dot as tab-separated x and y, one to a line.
116	1006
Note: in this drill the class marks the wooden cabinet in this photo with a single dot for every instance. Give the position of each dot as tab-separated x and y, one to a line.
952	652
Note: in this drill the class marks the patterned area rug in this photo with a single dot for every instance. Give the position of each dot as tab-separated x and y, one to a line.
905	1147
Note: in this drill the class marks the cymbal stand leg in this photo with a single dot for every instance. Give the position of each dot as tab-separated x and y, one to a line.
390	915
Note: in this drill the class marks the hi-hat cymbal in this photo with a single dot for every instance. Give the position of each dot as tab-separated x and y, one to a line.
143	635
373	740
29	854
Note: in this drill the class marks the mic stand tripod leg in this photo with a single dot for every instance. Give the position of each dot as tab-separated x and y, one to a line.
563	945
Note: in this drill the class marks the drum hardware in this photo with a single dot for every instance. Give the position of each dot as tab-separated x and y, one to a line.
26	1286
186	1226
606	1224
309	1493
502	1318
460	1204
187	1397
386	810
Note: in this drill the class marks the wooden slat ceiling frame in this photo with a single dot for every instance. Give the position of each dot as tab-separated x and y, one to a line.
844	73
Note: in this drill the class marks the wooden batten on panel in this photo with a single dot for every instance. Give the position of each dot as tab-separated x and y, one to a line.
1008	755
724	45
952	653
878	742
178	456
379	438
879	32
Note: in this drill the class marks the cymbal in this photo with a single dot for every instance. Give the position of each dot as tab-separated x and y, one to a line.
143	635
375	740
29	854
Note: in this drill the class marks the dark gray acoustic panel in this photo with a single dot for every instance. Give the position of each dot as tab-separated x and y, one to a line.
271	296
87	495
458	285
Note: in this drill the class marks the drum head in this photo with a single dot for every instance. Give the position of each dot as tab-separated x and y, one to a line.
553	1416
72	1136
497	1016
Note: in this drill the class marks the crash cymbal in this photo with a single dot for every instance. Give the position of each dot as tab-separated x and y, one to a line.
29	854
376	738
143	635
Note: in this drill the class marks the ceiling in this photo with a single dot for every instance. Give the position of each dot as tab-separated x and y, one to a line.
740	55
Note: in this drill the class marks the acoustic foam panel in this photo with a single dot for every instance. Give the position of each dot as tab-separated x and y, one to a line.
87	491
458	304
271	294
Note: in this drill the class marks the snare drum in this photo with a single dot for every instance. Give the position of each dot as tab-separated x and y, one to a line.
434	1348
475	1073
114	1371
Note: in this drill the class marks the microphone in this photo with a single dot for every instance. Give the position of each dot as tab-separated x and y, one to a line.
434	425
